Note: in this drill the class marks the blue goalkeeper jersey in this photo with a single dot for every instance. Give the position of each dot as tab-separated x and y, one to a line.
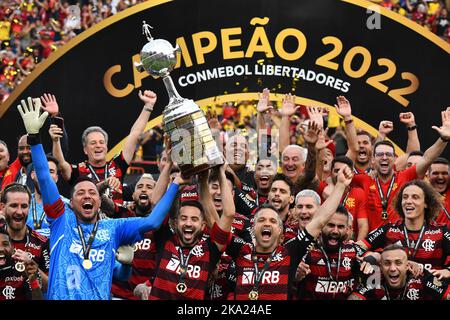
68	279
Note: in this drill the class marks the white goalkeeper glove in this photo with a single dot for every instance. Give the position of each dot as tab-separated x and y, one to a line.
30	115
125	254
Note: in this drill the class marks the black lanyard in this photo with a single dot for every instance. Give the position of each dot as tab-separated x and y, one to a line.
412	254
327	260
183	265
345	198
402	297
259	274
95	174
446	212
37	223
87	248
385	199
367	171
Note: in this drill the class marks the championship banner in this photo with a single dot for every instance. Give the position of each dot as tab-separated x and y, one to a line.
382	62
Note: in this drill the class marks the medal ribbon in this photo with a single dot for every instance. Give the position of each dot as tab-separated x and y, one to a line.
259	274
411	255
183	264
385	200
446	212
95	174
37	224
87	248
345	198
329	263
402	297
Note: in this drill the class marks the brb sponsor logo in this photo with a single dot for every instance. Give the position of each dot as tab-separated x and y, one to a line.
94	254
193	272
142	245
325	286
269	277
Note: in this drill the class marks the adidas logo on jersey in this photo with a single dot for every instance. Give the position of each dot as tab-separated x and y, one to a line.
321	262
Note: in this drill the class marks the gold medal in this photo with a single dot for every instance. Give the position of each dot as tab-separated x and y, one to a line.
181	287
253	295
20	266
384	215
87	264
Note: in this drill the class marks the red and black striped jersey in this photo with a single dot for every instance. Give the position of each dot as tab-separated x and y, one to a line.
433	250
426	287
290	231
444	216
319	285
277	279
204	256
144	260
116	167
37	247
223	285
13	283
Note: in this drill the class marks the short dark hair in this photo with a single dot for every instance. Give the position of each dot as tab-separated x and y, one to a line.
192	203
384	143
282	177
79	180
432	199
271	158
416	153
342	210
394	246
214	176
365	133
15	187
441	160
342	159
50	158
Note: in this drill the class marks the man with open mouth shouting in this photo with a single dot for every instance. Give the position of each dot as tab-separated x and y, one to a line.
15	204
426	243
396	282
266	269
95	146
83	247
332	269
17	283
187	256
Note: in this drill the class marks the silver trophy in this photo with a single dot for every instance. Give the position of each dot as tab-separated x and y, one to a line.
193	146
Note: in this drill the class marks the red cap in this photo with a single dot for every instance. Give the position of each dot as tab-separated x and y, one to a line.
332	148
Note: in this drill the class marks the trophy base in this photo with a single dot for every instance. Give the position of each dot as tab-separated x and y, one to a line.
188	170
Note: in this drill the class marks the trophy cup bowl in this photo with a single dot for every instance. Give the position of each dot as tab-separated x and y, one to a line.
193	146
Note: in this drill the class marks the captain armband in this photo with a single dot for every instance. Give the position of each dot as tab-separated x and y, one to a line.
219	236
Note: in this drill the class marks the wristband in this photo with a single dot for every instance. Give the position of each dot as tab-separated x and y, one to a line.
443	139
34	284
371	260
148	109
220	236
348	121
34	139
414	127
